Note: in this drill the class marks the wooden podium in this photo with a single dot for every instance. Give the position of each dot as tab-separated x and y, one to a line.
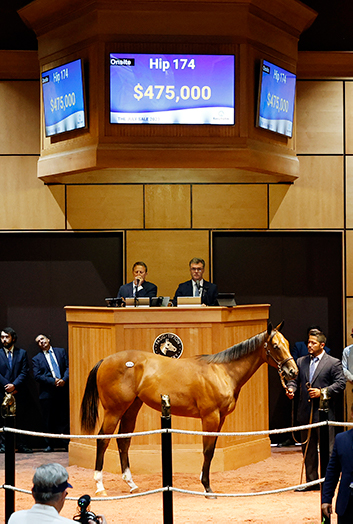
96	332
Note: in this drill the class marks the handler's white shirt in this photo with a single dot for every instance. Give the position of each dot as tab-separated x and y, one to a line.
38	514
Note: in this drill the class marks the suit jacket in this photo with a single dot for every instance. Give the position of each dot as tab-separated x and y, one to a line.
43	375
148	290
328	374
209	292
341	460
17	375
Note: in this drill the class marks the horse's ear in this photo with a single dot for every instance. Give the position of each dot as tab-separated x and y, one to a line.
269	328
280	326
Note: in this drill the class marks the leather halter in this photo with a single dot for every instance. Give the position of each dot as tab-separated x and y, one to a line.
279	364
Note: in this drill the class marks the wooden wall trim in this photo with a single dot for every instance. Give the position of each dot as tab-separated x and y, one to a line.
324	65
19	65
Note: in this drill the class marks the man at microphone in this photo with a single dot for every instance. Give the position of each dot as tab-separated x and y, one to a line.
139	287
197	286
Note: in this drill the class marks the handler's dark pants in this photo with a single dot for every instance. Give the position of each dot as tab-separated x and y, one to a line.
312	455
347	518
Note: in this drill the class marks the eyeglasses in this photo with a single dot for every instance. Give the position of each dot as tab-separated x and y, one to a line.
196	268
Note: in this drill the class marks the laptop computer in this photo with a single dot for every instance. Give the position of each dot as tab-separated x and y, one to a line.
226	299
189	301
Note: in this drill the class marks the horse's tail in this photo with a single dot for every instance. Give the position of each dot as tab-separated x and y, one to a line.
89	404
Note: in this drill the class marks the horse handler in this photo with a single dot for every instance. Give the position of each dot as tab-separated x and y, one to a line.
317	370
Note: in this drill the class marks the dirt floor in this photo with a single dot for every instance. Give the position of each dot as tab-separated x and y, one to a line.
282	469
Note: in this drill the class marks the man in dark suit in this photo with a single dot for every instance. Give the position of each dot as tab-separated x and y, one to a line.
197	286
317	371
341	461
300	349
51	371
14	371
138	287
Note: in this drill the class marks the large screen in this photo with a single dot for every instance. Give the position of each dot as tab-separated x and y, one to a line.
63	98
276	99
171	89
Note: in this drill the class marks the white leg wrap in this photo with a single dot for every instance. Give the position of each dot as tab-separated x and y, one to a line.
98	477
128	479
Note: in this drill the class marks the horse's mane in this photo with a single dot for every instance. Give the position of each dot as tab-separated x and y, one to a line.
237	351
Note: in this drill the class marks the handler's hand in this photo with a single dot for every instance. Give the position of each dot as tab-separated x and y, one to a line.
314	392
290	393
327	509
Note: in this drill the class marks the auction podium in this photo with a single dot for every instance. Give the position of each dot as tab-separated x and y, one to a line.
96	332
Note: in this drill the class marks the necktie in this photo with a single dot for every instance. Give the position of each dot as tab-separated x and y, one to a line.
9	358
197	289
312	368
54	364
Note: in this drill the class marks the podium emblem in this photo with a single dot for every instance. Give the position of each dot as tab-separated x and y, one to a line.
168	345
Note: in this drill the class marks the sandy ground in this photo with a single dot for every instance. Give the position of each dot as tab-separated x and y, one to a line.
282	469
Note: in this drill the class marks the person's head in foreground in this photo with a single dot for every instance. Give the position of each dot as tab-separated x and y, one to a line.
50	483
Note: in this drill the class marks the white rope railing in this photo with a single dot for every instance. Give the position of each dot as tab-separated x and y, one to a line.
178	431
184	432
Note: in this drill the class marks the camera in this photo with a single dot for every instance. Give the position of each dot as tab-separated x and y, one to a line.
84	516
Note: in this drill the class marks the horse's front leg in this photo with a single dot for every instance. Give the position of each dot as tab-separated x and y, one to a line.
213	423
108	427
127	425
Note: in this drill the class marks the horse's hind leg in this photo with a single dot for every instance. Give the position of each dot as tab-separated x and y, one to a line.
127	425
108	427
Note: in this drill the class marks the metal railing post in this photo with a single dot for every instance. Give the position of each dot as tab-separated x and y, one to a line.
10	448
167	468
324	445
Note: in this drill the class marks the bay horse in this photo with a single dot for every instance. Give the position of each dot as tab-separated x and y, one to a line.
204	386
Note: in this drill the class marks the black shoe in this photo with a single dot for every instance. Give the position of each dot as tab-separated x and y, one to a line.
24	449
49	449
315	487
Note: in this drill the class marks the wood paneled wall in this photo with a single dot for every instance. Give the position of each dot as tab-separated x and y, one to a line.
167	223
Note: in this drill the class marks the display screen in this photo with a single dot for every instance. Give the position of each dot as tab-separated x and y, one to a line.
276	99
63	98
171	89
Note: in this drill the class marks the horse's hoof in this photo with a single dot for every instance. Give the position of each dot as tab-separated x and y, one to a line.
134	488
102	493
210	495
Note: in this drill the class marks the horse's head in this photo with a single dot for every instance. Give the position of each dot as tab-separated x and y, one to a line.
278	354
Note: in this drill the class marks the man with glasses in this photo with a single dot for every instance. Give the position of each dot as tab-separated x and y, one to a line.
197	286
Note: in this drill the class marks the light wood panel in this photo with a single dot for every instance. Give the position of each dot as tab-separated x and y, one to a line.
348	116
95	333
105	206
315	200
320	117
349	191
27	203
19	118
167	255
349	263
234	206
167	206
349	326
